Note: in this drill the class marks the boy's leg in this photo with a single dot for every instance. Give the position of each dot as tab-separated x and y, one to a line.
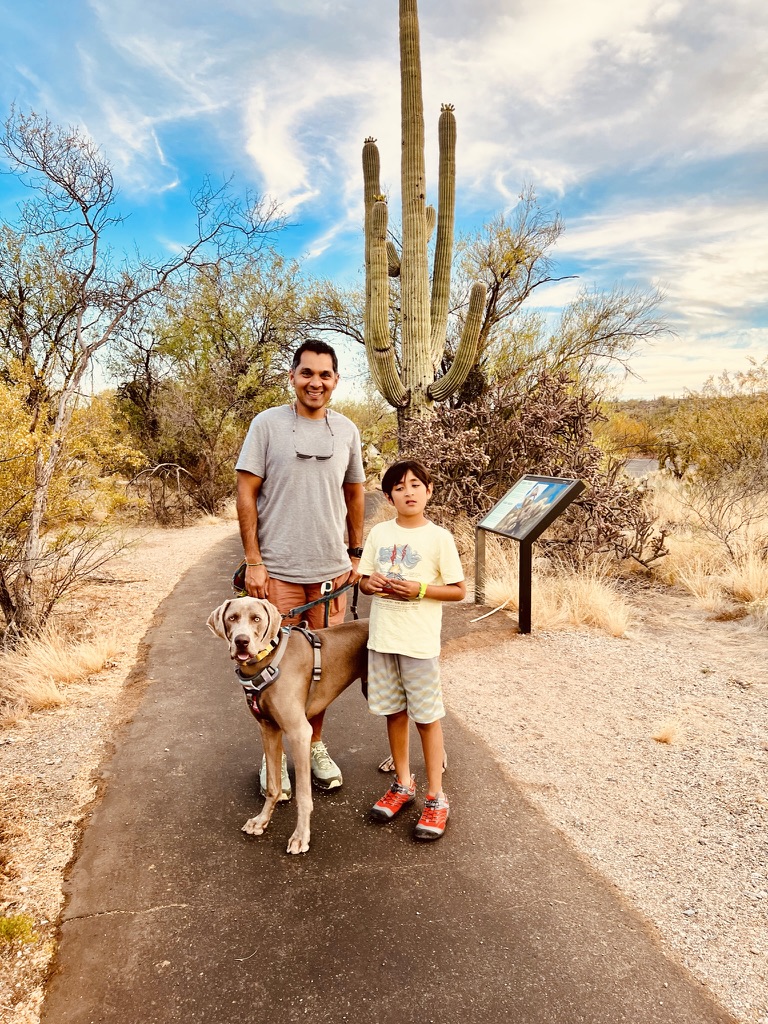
386	697
432	745
397	731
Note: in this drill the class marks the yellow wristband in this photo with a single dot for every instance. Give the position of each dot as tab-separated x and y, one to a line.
422	590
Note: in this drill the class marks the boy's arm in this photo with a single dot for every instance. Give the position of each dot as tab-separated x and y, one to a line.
411	590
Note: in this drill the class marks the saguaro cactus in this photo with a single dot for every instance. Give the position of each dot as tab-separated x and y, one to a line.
424	316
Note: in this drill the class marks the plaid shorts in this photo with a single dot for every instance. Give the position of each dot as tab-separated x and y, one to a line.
397	682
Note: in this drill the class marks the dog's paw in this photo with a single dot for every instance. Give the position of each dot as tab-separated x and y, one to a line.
298	843
255	826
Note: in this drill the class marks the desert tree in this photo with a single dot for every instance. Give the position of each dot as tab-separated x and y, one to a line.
215	352
64	296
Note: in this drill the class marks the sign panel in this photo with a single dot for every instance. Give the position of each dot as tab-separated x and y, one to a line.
530	506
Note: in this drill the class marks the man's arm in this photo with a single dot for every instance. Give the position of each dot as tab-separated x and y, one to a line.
354	498
256	575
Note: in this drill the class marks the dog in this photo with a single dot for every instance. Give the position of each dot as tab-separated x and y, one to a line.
250	625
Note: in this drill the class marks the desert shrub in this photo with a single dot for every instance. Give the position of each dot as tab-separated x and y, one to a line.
16	929
541	426
71	547
727	579
722	430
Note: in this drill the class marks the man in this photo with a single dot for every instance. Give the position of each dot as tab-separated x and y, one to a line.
299	484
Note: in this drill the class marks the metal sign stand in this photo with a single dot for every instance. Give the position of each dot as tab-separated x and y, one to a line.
524	522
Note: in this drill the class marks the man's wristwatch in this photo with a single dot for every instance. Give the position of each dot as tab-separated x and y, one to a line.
355	552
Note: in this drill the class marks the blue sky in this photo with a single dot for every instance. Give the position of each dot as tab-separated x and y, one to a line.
644	124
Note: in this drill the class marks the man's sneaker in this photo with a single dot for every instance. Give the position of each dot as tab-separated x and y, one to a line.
394	800
326	774
431	824
285	782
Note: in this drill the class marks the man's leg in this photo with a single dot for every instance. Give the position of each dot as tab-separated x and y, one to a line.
326	774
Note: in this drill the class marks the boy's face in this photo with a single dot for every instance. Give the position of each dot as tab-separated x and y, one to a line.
410	496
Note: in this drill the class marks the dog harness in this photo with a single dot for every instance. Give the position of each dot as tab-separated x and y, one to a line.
255	684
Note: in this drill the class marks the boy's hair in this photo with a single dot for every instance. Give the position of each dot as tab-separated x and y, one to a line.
321	348
397	472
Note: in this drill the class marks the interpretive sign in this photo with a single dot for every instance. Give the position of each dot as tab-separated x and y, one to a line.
523	514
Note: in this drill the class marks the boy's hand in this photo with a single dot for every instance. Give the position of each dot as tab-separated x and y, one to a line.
401	590
378	583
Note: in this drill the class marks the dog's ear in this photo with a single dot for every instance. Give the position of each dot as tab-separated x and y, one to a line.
275	621
216	620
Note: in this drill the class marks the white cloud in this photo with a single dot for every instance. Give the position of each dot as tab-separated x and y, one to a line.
648	120
711	260
685	363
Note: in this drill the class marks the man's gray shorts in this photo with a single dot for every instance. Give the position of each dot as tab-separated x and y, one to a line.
397	682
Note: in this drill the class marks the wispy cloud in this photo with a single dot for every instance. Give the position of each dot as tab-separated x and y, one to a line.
645	123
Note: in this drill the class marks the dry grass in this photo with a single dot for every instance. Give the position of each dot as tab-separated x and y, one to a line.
35	675
721	583
670	733
562	597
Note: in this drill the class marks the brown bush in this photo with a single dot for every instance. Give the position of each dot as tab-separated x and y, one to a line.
541	426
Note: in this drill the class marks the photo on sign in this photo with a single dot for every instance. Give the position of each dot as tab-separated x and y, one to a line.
524	506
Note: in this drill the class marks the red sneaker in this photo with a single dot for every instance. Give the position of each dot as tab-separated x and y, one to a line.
394	800
431	824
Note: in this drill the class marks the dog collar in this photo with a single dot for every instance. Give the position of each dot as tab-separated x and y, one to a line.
273	644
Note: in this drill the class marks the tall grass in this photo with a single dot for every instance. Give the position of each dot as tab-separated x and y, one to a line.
561	596
720	577
34	676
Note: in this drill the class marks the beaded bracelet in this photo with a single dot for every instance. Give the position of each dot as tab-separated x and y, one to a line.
253	564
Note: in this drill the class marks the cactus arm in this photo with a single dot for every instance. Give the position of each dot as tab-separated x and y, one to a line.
466	353
431	221
393	260
371	191
378	343
441	271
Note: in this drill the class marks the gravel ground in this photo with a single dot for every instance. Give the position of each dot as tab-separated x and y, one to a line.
679	827
678	823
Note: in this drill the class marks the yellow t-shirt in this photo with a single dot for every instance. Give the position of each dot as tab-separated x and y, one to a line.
426	554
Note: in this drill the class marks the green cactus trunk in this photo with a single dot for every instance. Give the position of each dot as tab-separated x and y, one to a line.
414	389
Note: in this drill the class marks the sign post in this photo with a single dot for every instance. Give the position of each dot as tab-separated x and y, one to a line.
523	514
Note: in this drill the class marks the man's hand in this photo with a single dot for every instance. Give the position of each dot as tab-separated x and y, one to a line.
256	580
354	576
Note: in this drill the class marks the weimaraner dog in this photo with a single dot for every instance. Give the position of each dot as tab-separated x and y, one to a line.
252	626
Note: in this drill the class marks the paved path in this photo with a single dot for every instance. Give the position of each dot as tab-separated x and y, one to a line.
175	915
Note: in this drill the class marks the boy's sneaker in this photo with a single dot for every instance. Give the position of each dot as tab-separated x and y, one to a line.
285	782
431	824
394	800
326	774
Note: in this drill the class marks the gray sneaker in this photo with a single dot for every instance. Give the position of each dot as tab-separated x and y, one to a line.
285	782
326	774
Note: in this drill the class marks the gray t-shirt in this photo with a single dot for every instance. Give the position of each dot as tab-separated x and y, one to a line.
301	507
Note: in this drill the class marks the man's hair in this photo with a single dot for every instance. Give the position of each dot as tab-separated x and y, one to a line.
398	471
321	348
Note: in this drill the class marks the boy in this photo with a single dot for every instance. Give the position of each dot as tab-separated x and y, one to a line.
409	566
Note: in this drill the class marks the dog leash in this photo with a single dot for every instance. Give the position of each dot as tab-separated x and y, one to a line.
326	599
238	585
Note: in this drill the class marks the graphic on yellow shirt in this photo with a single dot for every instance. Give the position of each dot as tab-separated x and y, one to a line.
397	558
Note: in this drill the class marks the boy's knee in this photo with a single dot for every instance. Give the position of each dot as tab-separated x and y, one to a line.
428	726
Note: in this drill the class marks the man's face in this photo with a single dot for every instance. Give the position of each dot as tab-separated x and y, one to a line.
314	382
